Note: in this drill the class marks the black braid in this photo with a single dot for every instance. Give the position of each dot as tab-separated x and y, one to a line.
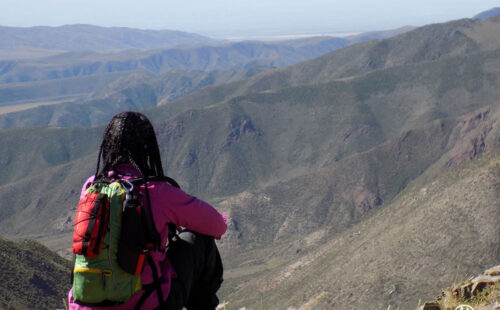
129	138
100	150
98	162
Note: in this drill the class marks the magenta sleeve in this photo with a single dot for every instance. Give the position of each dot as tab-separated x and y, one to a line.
86	185
172	205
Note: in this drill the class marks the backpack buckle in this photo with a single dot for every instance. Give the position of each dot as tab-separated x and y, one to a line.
128	190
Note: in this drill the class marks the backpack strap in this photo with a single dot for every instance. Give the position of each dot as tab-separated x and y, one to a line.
156	279
156	285
172	229
150	288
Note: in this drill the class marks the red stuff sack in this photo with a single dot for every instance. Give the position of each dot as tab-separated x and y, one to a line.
91	222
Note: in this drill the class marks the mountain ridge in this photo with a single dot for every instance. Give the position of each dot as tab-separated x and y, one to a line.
86	37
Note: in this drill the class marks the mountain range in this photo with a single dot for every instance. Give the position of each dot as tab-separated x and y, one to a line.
17	42
362	178
42	91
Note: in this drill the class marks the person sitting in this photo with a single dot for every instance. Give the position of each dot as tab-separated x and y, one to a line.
190	271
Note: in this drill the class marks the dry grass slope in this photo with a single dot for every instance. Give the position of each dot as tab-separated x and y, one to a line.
428	236
31	276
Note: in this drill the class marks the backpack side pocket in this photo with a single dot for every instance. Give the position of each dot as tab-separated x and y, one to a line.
91	222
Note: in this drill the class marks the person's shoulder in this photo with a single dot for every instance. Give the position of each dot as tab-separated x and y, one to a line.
86	185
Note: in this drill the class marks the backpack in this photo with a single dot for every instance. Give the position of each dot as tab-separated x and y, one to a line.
97	276
113	235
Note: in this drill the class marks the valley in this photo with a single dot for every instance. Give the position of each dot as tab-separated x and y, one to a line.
362	177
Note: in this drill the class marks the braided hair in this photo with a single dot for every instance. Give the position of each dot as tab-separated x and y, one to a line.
129	138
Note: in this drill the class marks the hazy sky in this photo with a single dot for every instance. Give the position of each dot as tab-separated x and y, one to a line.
221	18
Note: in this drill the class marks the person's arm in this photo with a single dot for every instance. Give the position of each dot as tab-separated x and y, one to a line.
187	211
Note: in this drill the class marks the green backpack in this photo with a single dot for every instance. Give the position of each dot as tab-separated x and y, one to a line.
98	277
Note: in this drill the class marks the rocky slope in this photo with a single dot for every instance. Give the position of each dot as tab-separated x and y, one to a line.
418	243
481	292
32	276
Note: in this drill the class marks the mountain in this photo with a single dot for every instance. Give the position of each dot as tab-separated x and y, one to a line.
51	86
362	178
487	14
42	40
31	276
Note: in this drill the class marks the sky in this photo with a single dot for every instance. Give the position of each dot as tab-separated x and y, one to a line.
241	18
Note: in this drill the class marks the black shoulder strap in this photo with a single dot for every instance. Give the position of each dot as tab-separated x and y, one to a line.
151	287
156	236
152	232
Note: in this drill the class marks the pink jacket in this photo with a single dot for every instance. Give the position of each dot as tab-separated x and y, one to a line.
168	205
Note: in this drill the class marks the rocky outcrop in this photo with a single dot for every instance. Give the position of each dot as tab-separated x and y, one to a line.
478	284
363	199
238	128
463	295
475	145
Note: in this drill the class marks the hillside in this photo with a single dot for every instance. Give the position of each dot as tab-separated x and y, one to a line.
424	239
92	100
341	193
31	276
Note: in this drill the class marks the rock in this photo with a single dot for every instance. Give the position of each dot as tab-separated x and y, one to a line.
476	285
489	307
464	291
471	288
495	271
430	306
483	281
364	200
